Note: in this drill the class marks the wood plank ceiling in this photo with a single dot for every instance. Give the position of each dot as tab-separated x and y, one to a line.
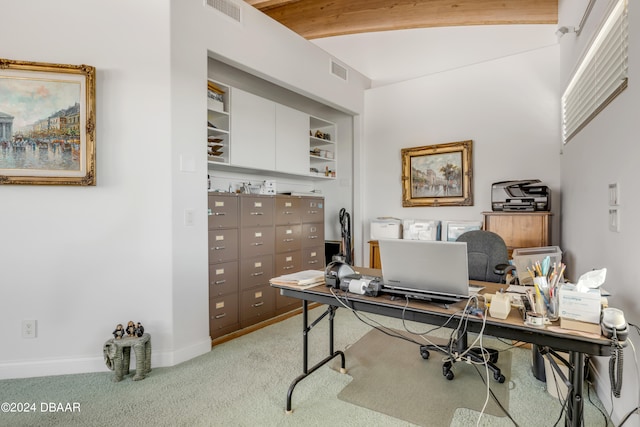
325	18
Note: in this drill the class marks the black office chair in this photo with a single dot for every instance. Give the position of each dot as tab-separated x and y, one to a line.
488	261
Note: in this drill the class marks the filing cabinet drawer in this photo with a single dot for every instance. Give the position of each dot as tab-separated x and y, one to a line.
223	279
284	304
288	238
313	209
257	305
312	235
257	241
223	211
288	263
223	312
313	258
288	210
256	271
257	211
223	245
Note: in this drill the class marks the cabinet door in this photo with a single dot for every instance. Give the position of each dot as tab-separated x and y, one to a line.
292	136
252	131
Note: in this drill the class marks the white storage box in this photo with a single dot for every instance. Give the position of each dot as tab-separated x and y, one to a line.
451	230
386	228
527	257
582	306
419	229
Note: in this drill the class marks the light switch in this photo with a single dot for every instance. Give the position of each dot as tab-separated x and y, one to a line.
614	219
614	194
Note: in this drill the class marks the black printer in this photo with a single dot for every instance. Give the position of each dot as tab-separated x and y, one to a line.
520	196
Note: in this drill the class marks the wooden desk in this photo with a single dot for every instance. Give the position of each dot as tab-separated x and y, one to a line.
374	255
510	328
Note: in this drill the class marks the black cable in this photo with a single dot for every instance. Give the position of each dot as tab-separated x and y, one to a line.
615	365
626	417
606	420
495	398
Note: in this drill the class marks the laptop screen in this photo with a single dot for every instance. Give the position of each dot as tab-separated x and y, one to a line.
423	268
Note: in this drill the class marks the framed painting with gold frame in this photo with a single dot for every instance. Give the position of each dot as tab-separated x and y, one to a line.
438	175
47	123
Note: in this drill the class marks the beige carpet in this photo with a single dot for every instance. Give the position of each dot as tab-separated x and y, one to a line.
390	377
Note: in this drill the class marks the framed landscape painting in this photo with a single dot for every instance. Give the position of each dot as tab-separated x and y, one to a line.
438	175
47	123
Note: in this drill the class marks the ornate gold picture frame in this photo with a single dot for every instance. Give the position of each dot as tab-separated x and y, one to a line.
438	175
47	123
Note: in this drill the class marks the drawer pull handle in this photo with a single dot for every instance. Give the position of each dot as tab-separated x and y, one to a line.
257	213
287	240
313	212
220	213
289	267
258	304
313	262
217	248
220	316
260	273
219	282
258	244
288	212
313	237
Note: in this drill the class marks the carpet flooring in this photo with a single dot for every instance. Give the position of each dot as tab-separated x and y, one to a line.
390	376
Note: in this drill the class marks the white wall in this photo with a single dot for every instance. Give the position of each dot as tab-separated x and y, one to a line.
508	107
81	260
604	152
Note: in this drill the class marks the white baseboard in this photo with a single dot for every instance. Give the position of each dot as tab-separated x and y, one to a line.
44	368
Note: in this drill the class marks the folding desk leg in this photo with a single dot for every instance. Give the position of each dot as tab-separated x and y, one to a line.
305	347
575	404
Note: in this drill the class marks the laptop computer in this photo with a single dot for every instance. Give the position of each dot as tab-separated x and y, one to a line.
430	270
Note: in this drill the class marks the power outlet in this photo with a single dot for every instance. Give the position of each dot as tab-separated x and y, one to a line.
29	328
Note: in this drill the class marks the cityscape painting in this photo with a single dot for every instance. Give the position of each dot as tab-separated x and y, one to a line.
437	175
47	123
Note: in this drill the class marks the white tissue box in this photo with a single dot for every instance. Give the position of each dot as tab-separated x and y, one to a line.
582	306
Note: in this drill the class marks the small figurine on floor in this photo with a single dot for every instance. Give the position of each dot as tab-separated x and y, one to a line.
139	329
119	332
131	329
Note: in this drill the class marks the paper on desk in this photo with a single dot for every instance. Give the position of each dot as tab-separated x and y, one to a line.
591	280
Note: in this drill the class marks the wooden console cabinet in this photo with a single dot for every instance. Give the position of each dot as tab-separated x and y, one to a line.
520	229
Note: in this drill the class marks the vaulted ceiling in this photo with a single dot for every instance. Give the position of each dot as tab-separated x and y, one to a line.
314	19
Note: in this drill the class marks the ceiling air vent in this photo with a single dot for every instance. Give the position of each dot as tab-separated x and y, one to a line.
338	70
227	7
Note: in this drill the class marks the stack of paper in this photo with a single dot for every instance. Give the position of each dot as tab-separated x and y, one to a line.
301	278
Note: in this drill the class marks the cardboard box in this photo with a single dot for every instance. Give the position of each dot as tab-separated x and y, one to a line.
576	325
582	306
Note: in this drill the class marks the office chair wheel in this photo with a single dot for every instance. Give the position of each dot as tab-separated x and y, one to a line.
446	370
424	352
499	377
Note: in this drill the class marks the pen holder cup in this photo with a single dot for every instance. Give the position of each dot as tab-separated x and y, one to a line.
553	313
541	295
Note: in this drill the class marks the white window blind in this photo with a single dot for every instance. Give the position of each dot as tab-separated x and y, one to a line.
601	76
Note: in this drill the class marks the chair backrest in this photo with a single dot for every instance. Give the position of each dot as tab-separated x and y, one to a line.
485	251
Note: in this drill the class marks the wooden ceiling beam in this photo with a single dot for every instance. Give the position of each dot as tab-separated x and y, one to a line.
324	18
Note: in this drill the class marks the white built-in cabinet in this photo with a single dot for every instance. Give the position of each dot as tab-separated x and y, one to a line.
260	134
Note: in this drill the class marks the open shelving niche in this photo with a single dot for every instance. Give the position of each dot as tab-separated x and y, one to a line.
322	148
218	125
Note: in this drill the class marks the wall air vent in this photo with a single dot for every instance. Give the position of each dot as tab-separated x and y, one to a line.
338	70
227	7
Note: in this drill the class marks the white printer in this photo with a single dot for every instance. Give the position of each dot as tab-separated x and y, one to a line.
386	228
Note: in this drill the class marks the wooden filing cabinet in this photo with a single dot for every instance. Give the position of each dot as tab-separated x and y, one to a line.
520	229
253	238
223	264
